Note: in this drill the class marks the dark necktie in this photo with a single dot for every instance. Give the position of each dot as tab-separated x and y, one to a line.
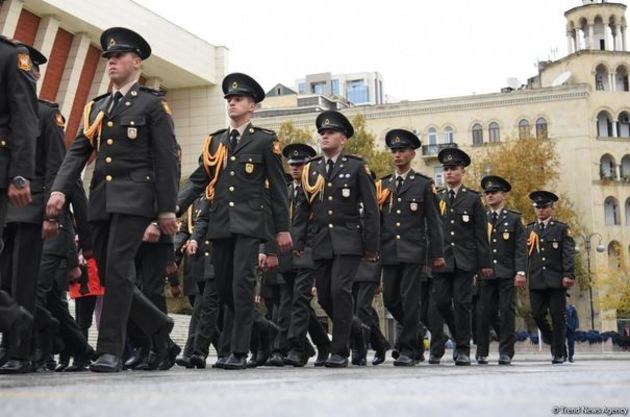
329	168
495	216
399	181
233	140
114	102
296	194
541	225
451	196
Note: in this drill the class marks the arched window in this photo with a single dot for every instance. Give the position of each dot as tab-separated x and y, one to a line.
611	211
432	136
627	212
601	78
614	255
477	135
607	167
494	133
623	125
604	124
541	128
621	79
449	136
625	168
523	129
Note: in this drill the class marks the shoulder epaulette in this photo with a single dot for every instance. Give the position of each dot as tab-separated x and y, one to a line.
316	158
95	99
559	222
218	132
386	177
472	191
152	91
426	177
48	103
262	129
358	158
7	40
531	223
515	212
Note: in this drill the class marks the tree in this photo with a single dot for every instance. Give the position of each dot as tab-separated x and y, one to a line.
288	134
529	164
363	144
614	283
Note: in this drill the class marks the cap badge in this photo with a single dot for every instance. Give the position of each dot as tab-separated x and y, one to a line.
326	122
234	84
112	41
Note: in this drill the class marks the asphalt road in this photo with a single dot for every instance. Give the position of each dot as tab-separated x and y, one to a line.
530	387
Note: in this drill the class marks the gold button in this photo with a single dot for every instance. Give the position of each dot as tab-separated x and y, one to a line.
397	211
452	243
148	177
207	242
452	221
232	158
231	204
110	124
231	188
494	261
544	268
494	250
397	236
207	254
3	143
330	197
132	123
330	184
494	241
330	212
108	178
232	173
544	259
110	141
330	226
399	200
108	160
452	233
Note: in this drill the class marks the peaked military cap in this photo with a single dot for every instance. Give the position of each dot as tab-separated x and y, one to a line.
402	139
37	58
542	198
453	157
114	40
298	153
238	84
334	120
495	183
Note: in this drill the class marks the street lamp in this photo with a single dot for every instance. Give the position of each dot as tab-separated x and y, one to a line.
587	239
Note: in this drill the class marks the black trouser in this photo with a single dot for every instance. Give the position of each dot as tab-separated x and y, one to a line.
497	302
453	298
116	243
151	262
334	279
206	312
19	266
401	294
282	316
570	343
9	311
235	261
363	294
552	300
84	308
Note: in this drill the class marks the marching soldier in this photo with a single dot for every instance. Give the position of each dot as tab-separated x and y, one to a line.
508	244
236	166
550	268
410	222
335	185
135	180
466	250
19	129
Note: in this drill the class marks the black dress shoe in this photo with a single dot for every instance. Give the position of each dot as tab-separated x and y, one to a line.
61	367
184	362
505	359
171	356
336	361
557	359
379	357
107	363
571	359
220	363
404	360
82	361
434	360
419	357
276	360
21	329
15	366
162	344
395	353
295	358
322	356
236	361
462	360
482	360
137	357
149	363
198	361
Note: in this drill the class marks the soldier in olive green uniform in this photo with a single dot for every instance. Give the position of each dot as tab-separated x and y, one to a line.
135	180
411	225
336	184
466	250
508	244
550	271
237	166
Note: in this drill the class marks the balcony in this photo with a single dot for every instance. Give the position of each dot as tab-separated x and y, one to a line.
431	151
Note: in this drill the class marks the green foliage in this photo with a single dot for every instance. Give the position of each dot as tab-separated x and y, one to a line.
363	144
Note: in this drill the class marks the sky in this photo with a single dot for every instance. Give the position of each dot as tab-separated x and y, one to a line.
423	49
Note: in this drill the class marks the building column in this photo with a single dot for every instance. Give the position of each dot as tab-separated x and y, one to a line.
569	43
9	16
615	134
623	39
612	81
44	40
618	38
591	37
72	72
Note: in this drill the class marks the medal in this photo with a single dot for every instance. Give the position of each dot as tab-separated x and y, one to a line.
413	206
555	245
249	168
132	132
465	218
345	192
506	235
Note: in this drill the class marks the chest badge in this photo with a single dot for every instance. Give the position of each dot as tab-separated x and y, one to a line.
465	218
249	168
345	192
132	132
555	245
506	235
413	206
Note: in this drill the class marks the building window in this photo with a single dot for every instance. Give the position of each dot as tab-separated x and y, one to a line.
319	88
523	129
621	79
438	176
335	87
449	136
601	78
357	92
477	135
494	133
432	136
541	128
611	211
625	168
607	167
623	126
627	212
301	88
604	125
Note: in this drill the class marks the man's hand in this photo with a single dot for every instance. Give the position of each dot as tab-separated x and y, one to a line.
314	291
284	242
378	289
438	263
192	247
298	253
262	258
20	197
520	280
487	272
271	262
176	291
370	256
151	234
55	204
49	229
567	282
74	274
168	225
88	254
171	268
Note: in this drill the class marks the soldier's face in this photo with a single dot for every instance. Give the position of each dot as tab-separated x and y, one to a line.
239	106
122	66
331	140
453	175
543	213
403	157
296	171
494	198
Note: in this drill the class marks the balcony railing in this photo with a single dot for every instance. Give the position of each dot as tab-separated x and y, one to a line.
431	151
